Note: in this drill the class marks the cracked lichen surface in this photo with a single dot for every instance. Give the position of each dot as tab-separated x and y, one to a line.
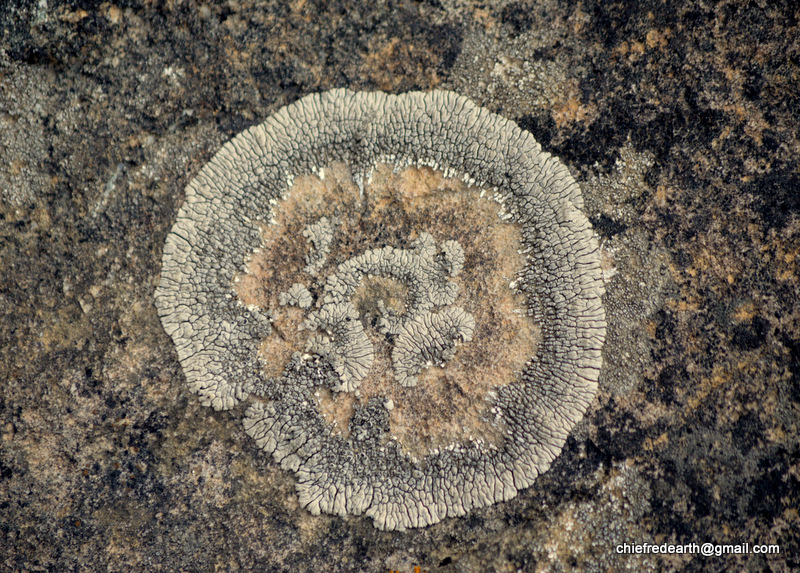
403	291
447	402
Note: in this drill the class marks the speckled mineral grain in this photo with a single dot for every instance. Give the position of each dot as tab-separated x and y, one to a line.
403	291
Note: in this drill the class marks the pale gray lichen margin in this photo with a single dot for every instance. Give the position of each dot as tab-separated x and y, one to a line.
217	339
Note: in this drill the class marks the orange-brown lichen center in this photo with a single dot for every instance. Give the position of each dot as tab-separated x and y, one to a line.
451	403
374	291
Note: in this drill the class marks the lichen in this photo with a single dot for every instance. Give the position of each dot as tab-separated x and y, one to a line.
320	234
429	338
422	335
297	295
410	346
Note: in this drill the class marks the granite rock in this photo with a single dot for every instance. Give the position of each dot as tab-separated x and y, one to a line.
678	119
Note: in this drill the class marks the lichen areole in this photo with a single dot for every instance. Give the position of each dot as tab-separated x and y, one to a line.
403	291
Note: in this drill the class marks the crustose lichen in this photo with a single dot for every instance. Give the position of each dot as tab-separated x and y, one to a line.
404	291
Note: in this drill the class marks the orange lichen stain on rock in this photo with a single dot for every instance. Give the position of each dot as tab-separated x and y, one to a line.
658	38
745	311
114	14
451	402
386	58
658	443
572	110
72	17
721	376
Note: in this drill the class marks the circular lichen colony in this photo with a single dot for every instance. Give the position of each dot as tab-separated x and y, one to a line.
403	291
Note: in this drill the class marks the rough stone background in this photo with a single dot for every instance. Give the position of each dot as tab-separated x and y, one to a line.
680	120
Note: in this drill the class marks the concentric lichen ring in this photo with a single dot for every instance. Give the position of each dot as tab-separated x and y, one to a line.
217	338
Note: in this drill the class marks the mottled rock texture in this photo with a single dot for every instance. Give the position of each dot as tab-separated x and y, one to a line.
678	119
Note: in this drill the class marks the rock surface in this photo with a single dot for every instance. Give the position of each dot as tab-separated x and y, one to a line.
680	122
